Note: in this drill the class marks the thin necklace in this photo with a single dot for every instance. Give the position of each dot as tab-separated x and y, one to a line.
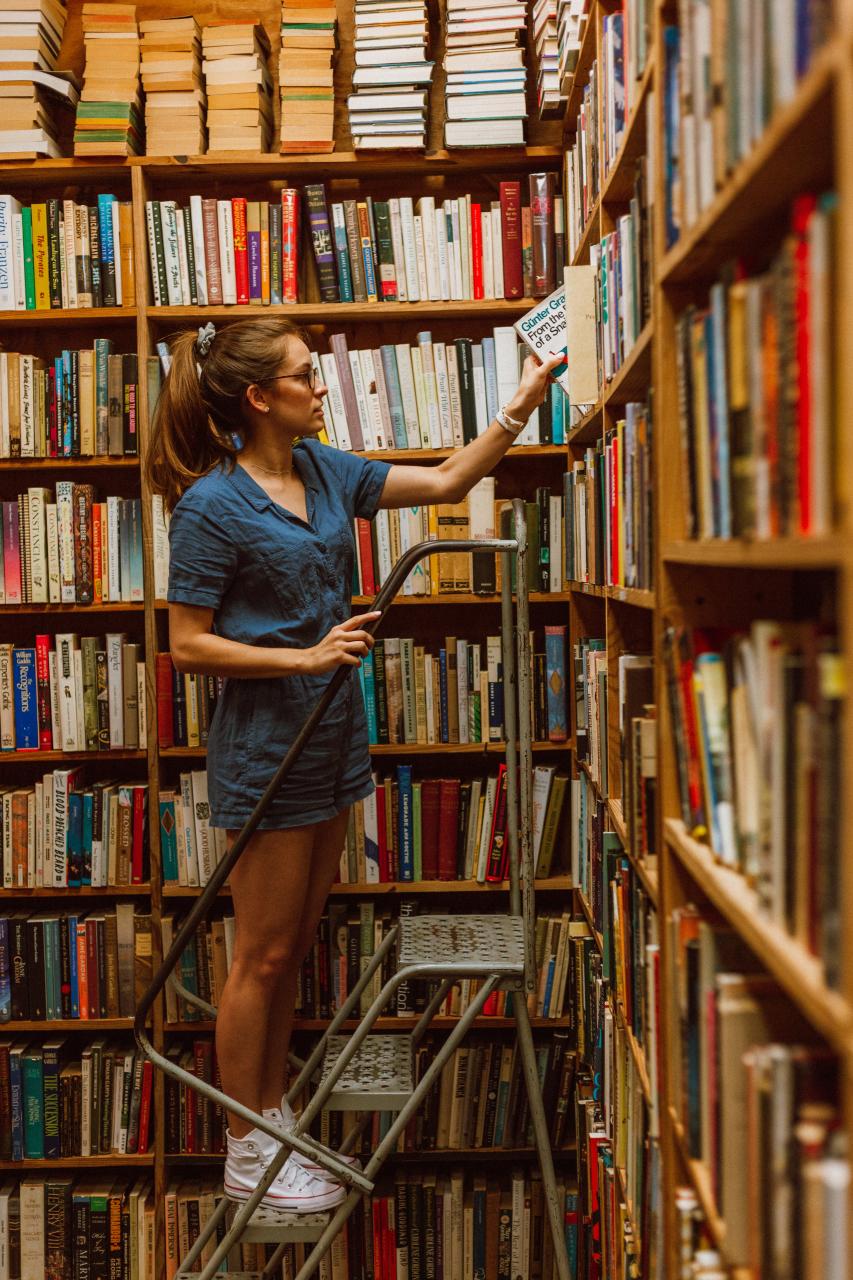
267	471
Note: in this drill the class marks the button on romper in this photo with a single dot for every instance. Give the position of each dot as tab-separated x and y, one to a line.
275	580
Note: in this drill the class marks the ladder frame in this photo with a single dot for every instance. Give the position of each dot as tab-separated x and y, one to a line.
519	760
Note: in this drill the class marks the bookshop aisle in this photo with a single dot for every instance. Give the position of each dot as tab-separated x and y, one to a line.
673	180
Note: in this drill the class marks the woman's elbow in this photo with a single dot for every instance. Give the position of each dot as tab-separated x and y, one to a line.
181	654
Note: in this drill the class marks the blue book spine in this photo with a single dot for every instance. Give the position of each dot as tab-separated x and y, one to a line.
555	669
50	1058
405	831
33	1099
395	397
5	973
71	925
719	409
16	1093
74	841
26	707
549	984
105	227
88	815
444	726
490	371
124	506
479	1234
168	842
275	253
571	1218
52	970
369	272
369	677
254	238
342	253
137	590
67	390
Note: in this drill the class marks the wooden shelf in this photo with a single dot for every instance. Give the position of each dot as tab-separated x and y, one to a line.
620	595
112	607
52	1025
327	166
442	1156
580	75
619	180
790	157
516	453
53	464
588	430
589	233
793	967
66	316
401	749
450	601
394	1024
401	888
637	1053
775	553
56	757
587	910
633	377
648	875
338	313
80	1162
85	891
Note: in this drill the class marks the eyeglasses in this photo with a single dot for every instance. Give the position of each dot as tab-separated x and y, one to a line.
309	376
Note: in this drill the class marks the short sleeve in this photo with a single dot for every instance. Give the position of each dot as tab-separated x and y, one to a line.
363	480
202	558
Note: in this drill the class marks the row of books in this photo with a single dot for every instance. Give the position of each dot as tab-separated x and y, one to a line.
545	44
414	696
190	848
761	1105
755	371
30	41
238	85
466	1224
61	833
71	965
634	693
623	264
185	704
78	403
58	253
99	1226
452	834
583	165
756	719
391	74
60	1099
609	525
68	547
68	693
727	76
485	100
109	113
347	938
170	50
306	78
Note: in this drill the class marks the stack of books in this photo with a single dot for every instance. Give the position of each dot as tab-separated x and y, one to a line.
239	89
571	24
485	76
549	97
109	114
387	108
174	93
30	40
306	77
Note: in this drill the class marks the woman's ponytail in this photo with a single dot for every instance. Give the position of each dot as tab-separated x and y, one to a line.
202	399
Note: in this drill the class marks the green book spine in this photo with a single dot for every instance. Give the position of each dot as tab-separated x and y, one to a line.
188	238
50	1058
33	1082
385	251
103	348
29	260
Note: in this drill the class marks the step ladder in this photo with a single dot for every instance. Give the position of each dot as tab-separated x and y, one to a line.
368	1072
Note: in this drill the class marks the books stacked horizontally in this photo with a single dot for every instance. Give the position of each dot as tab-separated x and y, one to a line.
571	24
239	89
548	95
32	93
305	76
484	63
109	114
387	108
174	93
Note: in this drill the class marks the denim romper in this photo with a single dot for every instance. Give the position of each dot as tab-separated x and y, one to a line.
274	579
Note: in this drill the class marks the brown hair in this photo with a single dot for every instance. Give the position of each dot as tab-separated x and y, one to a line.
203	398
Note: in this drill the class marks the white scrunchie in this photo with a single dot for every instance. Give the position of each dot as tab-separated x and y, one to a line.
206	334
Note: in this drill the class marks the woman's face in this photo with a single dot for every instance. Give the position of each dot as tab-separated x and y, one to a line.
294	399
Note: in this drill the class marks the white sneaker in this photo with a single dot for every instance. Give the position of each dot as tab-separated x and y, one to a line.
284	1117
295	1189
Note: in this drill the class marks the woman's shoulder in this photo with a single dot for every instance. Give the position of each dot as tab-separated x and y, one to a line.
208	492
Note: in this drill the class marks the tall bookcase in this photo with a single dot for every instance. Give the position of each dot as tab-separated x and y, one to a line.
139	328
715	582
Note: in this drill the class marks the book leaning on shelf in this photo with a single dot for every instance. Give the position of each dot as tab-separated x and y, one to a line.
68	693
634	692
76	964
61	254
80	403
234	251
68	547
49	1223
61	833
60	1099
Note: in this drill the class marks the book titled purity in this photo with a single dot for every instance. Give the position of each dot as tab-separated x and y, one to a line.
563	324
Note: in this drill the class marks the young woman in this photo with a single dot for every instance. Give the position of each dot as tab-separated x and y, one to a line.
260	573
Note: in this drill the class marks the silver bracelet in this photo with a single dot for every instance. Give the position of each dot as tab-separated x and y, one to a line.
510	424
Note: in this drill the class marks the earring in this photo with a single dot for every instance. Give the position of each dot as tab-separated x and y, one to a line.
266	408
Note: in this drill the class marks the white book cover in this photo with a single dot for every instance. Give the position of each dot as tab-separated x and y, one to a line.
410	254
183	259
160	544
420	252
65	521
442	387
114	211
455	395
55	724
462	689
428	365
189	832
5	445
443	260
113	549
197	224
336	401
68	252
426	210
38	545
564	324
384	559
421	396
506	362
63	269
225	224
398	250
463	213
497	250
479	380
368	377
407	394
115	687
542	776
365	413
169	228
67	692
486	831
488	266
18	261
9	208
201	819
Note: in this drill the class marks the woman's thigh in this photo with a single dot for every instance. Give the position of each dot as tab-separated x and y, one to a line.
325	861
269	888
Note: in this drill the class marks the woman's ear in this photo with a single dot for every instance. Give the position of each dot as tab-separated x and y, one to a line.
256	398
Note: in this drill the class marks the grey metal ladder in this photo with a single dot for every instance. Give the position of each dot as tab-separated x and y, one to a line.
368	1072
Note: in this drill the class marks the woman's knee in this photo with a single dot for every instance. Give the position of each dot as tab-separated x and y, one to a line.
265	963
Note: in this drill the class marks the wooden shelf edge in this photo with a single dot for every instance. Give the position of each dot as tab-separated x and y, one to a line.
796	970
43	464
404	888
344	312
67	315
580	76
640	353
85	891
587	233
773	553
443	1023
80	1162
632	136
400	749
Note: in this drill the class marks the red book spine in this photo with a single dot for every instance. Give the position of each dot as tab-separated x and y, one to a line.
384	870
241	248
496	865
43	692
511	238
145	1107
365	548
82	972
431	798
91	945
615	566
97	552
477	250
448	823
289	245
804	207
140	796
165	710
53	420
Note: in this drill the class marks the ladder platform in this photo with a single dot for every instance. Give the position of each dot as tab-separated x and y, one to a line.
273	1226
379	1078
469	945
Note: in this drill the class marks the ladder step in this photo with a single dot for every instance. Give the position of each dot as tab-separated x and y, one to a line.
489	944
379	1078
271	1226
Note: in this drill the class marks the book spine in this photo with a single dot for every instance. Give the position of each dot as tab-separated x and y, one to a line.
210	243
321	241
107	246
275	253
289	245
